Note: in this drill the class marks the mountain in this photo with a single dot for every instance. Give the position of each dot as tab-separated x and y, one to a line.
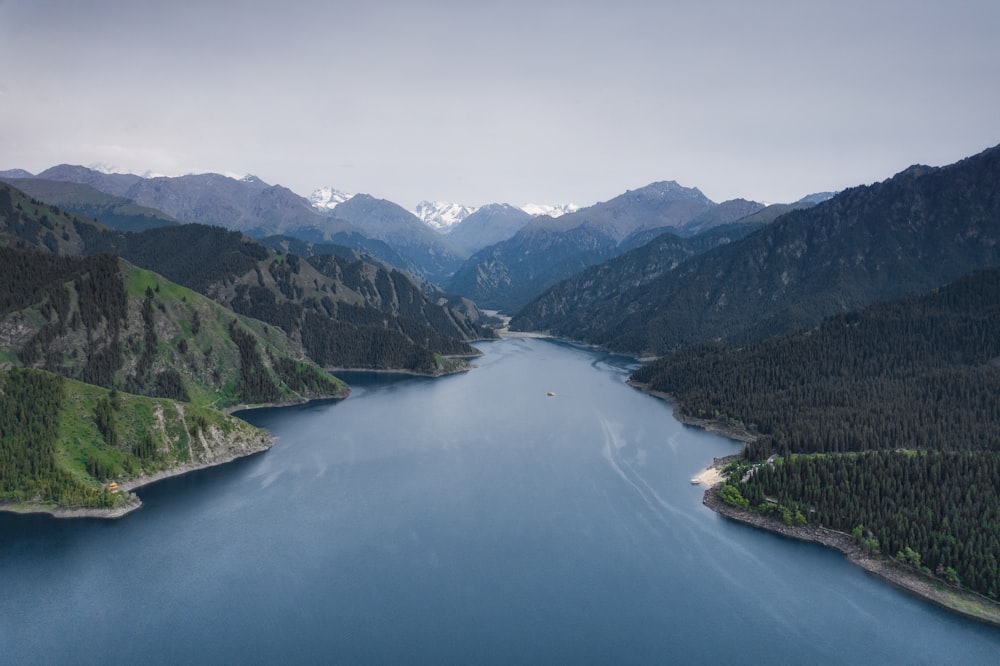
550	210
352	320
816	197
15	173
725	213
103	321
358	315
327	198
115	184
486	226
115	212
920	229
509	274
383	220
440	215
248	205
579	303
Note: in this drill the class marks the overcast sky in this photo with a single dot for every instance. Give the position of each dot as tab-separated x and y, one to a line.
506	101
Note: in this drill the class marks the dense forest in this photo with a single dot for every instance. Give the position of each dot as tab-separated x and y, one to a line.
380	311
914	381
63	441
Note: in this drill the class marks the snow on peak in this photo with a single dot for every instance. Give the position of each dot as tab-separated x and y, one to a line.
549	209
442	216
326	198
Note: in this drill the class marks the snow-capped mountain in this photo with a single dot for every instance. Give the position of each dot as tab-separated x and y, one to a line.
550	210
441	215
114	170
326	198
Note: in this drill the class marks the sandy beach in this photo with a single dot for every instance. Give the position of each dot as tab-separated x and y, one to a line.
708	477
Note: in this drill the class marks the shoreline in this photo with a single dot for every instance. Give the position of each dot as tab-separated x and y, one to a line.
963	602
133	501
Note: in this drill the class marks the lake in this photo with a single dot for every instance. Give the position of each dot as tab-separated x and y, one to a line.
467	519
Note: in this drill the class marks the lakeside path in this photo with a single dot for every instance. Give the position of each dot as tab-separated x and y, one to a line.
964	602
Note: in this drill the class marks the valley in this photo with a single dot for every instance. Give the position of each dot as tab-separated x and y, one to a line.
850	335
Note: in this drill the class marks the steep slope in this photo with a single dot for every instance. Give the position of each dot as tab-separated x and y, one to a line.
64	441
26	222
240	273
350	318
577	306
920	229
105	322
510	274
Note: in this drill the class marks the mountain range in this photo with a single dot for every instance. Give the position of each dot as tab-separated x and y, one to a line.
509	274
921	228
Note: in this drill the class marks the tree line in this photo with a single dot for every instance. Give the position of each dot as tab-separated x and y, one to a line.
911	384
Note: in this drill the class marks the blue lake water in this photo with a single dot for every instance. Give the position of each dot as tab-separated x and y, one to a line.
468	519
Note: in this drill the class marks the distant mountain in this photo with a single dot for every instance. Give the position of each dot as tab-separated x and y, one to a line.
115	212
511	273
327	198
442	216
248	204
920	229
818	197
486	226
15	173
725	213
110	183
550	210
428	251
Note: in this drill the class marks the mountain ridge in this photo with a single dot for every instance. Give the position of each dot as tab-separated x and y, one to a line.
915	230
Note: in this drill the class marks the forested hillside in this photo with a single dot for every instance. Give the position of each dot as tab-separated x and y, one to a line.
577	307
105	322
913	382
63	441
339	322
355	314
920	229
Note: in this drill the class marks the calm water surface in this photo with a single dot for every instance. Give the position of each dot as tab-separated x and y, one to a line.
469	519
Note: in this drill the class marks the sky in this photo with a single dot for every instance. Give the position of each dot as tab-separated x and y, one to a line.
516	101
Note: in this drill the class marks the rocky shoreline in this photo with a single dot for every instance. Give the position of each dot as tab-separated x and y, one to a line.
228	448
963	602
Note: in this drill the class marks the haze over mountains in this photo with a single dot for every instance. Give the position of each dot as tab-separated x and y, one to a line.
432	247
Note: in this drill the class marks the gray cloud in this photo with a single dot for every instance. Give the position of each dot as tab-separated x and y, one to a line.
519	101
